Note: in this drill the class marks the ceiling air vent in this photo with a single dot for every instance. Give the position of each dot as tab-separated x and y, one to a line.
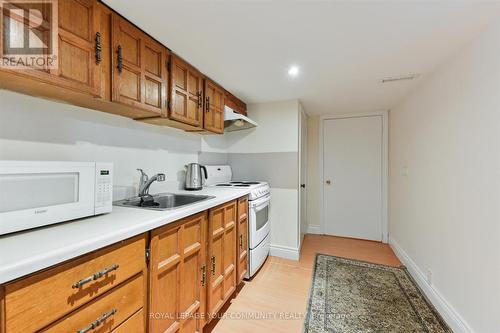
400	78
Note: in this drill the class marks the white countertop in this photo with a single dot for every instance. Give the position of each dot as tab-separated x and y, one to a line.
30	251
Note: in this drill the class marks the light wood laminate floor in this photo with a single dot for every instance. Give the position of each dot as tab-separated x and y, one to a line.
275	299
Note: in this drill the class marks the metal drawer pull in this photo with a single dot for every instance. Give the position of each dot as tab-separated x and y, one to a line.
241	242
207	104
213	265
119	59
200	99
98	48
95	276
98	321
203	275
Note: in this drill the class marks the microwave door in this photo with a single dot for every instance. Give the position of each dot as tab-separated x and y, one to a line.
32	197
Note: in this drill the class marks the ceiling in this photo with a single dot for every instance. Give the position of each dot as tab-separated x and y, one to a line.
343	48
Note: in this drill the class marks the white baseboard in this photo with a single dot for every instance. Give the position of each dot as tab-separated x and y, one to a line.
449	314
286	252
314	229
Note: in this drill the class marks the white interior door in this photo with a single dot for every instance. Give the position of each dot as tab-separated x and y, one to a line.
352	172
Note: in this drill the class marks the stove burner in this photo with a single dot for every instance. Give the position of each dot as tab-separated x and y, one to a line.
241	185
223	185
237	182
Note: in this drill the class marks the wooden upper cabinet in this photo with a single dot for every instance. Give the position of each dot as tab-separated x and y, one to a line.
214	107
79	38
186	93
78	62
235	103
139	68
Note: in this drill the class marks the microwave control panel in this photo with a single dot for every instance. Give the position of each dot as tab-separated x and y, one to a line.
103	188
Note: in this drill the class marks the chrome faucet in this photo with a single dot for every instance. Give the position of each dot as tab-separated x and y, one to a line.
145	182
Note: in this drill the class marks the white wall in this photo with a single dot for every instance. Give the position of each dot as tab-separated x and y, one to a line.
277	130
313	175
445	213
274	142
37	129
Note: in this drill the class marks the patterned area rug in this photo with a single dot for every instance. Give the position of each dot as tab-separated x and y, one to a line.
350	296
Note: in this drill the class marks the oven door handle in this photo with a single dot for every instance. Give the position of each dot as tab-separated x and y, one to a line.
260	202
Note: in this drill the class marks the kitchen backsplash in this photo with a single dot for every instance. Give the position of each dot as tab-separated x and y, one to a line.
37	129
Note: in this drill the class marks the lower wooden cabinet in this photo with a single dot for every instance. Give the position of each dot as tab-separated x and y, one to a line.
133	324
195	265
108	311
74	295
221	255
178	276
242	238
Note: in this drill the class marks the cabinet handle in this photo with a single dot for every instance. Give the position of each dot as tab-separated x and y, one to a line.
95	276
98	321
98	48
207	104
200	99
241	242
203	275
119	59
213	265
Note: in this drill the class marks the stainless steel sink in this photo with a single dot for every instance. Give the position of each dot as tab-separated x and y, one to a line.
162	201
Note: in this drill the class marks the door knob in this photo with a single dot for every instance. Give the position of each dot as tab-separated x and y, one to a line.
328	182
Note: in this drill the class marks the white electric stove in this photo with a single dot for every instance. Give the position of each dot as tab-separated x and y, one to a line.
259	224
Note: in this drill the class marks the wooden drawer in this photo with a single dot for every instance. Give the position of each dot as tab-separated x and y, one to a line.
134	324
111	309
38	300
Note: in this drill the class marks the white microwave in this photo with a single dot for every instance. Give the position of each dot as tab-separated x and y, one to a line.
35	194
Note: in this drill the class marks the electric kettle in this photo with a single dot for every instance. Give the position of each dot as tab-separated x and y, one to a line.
194	180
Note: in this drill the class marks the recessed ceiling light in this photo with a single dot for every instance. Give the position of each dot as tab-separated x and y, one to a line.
293	71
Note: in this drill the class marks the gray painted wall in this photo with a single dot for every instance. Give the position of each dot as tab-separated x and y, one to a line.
279	169
211	158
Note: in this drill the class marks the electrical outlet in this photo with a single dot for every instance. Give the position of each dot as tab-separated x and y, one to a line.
428	276
405	171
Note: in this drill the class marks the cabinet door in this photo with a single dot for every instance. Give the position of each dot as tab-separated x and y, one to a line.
242	238
177	276
222	255
164	276
216	250
230	241
78	67
193	273
78	62
214	108
139	68
186	93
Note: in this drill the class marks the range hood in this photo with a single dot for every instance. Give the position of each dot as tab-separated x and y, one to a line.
234	121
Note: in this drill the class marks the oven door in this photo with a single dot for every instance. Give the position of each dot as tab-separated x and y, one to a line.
259	223
34	194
